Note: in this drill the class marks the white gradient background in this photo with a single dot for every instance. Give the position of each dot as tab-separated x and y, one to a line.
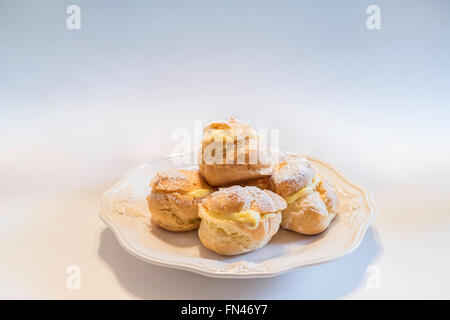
79	108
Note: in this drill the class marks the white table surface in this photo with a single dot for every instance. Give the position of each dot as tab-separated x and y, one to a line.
80	108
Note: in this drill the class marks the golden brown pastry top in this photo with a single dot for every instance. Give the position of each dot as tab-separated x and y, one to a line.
237	198
291	173
178	181
233	142
231	128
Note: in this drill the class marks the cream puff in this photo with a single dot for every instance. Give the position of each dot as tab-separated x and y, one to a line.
239	219
312	202
174	198
231	152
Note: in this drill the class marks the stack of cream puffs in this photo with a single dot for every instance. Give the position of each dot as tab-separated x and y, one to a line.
241	195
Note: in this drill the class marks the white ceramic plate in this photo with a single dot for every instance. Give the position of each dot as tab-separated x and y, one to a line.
124	210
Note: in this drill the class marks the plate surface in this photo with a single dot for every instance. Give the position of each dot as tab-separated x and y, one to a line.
124	210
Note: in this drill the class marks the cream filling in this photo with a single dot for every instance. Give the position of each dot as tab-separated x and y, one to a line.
249	218
228	136
199	193
304	191
221	135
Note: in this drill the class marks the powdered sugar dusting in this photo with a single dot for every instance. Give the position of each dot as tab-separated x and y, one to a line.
173	180
237	198
291	168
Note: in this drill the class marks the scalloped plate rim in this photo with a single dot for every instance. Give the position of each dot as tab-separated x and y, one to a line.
242	275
